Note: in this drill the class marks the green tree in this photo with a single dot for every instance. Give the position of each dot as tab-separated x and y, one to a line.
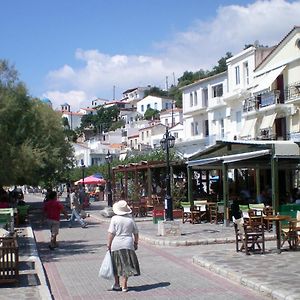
33	148
151	114
104	120
156	91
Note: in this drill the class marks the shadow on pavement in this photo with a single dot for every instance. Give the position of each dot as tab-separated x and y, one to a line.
147	287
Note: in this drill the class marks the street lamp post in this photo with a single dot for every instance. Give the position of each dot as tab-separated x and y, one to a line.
82	168
167	142
108	159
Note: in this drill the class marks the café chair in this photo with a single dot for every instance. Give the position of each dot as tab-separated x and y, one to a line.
250	235
186	212
291	233
268	211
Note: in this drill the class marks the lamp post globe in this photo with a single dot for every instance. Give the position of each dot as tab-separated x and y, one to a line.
167	142
108	159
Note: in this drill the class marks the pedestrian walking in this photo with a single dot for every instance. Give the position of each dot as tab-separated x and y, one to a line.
76	209
122	241
52	210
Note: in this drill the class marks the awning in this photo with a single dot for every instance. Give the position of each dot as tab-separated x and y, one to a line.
228	158
248	126
265	81
267	121
243	156
204	161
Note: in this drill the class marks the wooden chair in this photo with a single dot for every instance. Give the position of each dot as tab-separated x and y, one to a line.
186	213
291	233
268	211
250	235
213	213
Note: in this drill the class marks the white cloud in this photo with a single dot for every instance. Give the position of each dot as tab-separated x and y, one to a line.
75	99
201	46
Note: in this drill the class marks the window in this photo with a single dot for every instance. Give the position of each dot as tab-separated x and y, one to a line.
192	129
204	98
246	73
196	127
217	90
148	106
155	105
237	75
147	133
238	116
191	100
167	105
166	122
222	130
142	136
206	129
195	98
142	107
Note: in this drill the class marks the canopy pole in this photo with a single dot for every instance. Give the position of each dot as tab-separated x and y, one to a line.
274	176
225	193
190	187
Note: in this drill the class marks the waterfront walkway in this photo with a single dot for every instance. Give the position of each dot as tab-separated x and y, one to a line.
208	246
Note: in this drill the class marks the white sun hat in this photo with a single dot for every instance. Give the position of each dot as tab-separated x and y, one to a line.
121	208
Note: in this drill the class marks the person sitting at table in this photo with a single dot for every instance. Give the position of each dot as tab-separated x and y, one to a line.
235	210
4	201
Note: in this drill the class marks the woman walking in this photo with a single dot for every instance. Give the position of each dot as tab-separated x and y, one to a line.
122	242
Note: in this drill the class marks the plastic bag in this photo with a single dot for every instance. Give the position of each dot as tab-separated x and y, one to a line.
106	269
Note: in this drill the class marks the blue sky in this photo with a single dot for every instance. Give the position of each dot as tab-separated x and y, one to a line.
75	51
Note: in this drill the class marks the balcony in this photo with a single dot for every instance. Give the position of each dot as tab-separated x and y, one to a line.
292	93
216	102
258	102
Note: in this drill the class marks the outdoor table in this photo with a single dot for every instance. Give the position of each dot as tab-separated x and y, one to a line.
277	220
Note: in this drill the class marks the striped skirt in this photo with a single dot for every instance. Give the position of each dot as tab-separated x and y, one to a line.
125	263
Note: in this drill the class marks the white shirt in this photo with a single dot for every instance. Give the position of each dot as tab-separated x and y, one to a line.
123	228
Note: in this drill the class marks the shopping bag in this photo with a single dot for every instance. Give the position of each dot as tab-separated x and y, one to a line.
106	269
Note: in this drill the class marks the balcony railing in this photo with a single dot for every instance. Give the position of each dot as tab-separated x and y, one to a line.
256	102
292	92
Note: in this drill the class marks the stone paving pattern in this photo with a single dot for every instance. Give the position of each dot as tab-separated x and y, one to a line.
166	263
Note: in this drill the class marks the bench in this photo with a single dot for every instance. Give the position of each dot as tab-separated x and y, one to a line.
9	260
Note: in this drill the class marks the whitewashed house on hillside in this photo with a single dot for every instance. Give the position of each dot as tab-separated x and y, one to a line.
150	136
153	102
133	95
74	118
171	117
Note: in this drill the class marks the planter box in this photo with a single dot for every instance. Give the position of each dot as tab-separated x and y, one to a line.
177	213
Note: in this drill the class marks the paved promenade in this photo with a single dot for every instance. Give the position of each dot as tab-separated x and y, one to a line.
167	263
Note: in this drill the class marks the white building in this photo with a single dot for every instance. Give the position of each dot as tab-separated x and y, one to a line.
171	117
272	110
153	102
240	71
134	95
74	118
204	113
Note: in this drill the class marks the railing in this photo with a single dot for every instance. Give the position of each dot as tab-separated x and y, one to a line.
257	102
273	97
292	92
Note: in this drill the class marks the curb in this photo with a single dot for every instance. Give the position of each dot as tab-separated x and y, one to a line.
34	256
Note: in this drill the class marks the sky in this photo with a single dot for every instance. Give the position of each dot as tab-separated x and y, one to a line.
75	51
